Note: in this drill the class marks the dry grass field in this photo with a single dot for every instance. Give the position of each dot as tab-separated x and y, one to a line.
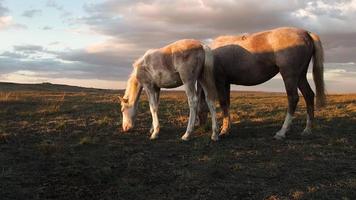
66	143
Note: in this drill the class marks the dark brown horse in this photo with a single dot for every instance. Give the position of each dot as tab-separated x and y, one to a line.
252	59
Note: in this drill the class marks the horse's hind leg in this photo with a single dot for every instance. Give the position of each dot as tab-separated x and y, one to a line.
202	109
212	110
193	103
153	98
308	95
224	100
293	98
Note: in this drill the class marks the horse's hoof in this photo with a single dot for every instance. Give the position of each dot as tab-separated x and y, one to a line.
214	138
153	137
279	137
185	137
306	131
224	132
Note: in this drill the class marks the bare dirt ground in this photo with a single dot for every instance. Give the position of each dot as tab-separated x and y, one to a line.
69	145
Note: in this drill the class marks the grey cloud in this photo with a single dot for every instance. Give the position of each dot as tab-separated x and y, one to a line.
54	4
169	20
347	69
47	28
339	47
3	10
54	43
14	55
100	58
113	65
335	40
57	69
28	48
17	26
341	54
154	23
80	64
111	53
65	14
31	13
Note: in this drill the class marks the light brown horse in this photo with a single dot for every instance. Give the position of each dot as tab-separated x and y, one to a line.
252	59
185	62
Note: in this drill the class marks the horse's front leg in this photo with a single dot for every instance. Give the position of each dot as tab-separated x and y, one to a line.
153	98
193	103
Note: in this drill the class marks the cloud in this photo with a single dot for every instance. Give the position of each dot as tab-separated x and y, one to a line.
7	22
138	25
160	22
166	21
46	28
54	4
111	52
327	16
13	55
79	64
65	14
3	10
133	26
28	48
31	13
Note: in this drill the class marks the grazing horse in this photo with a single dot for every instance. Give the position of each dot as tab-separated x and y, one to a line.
185	62
252	59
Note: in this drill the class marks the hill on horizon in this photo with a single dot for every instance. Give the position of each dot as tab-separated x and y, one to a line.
51	87
47	87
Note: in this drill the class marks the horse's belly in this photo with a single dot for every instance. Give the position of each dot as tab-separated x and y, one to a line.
167	80
251	75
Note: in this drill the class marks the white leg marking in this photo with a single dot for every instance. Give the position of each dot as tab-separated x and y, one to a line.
287	122
193	103
212	110
154	112
155	123
308	127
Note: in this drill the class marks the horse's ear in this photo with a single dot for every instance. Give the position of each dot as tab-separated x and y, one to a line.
123	100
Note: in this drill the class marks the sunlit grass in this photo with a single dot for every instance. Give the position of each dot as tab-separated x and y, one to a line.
72	141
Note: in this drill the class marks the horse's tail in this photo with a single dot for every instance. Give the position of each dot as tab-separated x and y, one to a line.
318	70
207	78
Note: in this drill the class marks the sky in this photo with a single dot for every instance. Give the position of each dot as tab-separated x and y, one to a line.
93	43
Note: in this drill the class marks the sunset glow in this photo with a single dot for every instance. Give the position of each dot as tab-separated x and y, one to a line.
93	43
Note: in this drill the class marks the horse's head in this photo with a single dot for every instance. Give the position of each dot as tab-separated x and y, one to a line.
128	114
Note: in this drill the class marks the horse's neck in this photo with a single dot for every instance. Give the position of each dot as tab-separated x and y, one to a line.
133	90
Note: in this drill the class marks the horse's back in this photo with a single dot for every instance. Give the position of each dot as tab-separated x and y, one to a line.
265	41
167	67
181	46
251	59
183	54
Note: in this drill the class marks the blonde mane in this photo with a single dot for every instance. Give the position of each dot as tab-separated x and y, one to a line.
132	88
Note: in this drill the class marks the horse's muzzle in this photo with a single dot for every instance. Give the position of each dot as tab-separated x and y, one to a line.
126	128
